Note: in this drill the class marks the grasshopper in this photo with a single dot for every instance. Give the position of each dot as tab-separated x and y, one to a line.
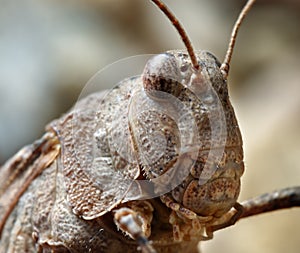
153	165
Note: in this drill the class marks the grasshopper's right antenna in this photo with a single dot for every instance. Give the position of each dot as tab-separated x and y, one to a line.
226	64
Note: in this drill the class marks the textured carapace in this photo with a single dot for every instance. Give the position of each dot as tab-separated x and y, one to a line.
90	150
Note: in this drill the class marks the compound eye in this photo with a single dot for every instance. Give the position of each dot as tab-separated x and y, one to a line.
161	76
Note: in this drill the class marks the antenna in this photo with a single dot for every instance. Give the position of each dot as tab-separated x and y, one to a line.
226	64
180	30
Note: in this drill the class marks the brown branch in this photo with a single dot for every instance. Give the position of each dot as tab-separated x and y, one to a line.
279	199
268	202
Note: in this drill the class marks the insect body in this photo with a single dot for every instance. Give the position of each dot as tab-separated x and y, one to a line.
158	159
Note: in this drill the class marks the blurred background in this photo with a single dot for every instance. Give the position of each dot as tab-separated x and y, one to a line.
49	49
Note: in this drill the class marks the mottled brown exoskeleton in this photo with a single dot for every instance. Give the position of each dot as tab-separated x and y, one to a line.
75	190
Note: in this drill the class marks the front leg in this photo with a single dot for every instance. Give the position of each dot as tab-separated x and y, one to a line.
134	219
